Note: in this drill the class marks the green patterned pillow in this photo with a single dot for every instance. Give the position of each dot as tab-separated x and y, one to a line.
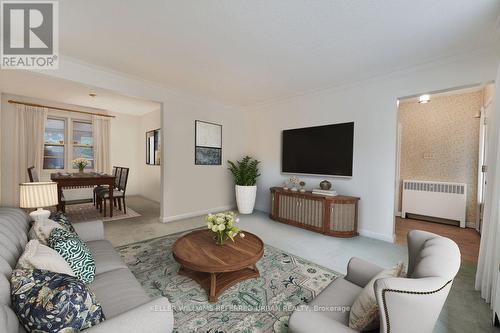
62	220
75	252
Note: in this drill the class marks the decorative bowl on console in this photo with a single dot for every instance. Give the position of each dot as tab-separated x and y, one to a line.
325	185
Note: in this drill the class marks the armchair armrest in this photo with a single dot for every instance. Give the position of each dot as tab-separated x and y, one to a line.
360	272
153	317
410	305
90	230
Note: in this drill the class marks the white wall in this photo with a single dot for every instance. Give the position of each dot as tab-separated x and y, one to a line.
372	106
197	189
150	175
124	146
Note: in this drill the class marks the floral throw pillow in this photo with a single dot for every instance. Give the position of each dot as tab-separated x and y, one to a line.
60	218
46	301
75	252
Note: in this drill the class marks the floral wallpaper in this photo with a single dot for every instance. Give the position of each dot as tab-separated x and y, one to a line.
440	142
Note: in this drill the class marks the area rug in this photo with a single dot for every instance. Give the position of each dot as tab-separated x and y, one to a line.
87	212
256	305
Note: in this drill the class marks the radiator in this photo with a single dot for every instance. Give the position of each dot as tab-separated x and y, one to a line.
435	199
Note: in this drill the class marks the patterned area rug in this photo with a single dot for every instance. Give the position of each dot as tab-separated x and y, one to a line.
256	305
88	212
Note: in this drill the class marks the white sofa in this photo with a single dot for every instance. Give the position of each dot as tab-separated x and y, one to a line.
409	305
125	304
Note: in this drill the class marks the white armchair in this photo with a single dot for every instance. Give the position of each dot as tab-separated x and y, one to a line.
410	304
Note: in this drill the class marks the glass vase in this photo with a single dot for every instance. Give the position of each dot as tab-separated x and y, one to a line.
220	238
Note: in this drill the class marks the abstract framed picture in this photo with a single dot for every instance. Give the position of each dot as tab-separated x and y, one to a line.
208	143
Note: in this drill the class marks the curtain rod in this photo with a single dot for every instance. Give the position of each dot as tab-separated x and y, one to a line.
62	109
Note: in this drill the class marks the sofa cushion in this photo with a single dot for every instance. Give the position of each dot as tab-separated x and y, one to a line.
118	291
337	297
63	220
43	228
75	252
105	256
39	256
364	313
52	302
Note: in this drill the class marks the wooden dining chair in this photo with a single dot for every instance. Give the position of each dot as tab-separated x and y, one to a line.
33	175
118	194
99	188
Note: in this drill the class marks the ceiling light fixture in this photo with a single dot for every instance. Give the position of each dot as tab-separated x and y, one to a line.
424	99
92	94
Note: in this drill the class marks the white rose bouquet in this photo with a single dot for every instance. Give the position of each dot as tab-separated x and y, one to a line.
222	224
81	163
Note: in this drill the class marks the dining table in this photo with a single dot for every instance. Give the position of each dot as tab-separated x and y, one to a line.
81	180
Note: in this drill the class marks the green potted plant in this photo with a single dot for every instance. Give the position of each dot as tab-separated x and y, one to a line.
245	173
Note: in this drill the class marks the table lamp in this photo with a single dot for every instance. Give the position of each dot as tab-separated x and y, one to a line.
38	195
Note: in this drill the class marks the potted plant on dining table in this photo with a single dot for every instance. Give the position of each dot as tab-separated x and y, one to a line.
81	163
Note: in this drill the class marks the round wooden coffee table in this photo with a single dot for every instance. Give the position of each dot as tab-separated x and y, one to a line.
216	267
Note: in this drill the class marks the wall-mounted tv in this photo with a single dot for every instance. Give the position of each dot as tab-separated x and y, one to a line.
320	150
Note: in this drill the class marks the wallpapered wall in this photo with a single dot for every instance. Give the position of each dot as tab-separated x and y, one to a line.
440	142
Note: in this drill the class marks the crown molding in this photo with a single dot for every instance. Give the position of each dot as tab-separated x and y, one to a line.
353	84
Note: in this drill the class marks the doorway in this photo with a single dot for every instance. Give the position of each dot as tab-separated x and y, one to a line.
441	161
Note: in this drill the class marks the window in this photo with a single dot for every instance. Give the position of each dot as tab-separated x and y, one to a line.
54	147
83	142
65	140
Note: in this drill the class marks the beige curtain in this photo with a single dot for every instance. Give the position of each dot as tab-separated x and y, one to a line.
28	150
101	129
489	252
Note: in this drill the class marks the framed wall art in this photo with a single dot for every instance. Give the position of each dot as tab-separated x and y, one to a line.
153	144
208	143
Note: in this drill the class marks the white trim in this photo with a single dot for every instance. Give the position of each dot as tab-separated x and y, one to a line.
375	235
372	79
398	214
470	224
195	214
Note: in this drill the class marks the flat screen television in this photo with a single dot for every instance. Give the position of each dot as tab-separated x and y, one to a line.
320	150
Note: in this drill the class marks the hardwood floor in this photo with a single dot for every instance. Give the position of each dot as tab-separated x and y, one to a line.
467	239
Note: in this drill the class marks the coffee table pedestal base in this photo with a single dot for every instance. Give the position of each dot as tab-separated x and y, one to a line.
216	283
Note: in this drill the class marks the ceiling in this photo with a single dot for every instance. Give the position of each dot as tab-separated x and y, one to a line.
252	52
44	87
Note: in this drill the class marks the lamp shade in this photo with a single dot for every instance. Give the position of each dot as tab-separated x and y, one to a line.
38	195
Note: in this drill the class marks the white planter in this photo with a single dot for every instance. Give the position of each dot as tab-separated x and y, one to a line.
245	198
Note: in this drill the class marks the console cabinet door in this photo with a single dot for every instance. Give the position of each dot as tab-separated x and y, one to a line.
343	218
310	213
301	211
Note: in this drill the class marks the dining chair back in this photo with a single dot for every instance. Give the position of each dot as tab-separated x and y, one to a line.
117	172
122	186
33	175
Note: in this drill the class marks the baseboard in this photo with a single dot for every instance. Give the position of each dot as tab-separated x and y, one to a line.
195	214
375	235
470	225
398	214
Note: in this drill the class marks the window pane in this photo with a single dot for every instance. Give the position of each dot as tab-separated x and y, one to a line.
54	131
86	152
82	133
53	157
